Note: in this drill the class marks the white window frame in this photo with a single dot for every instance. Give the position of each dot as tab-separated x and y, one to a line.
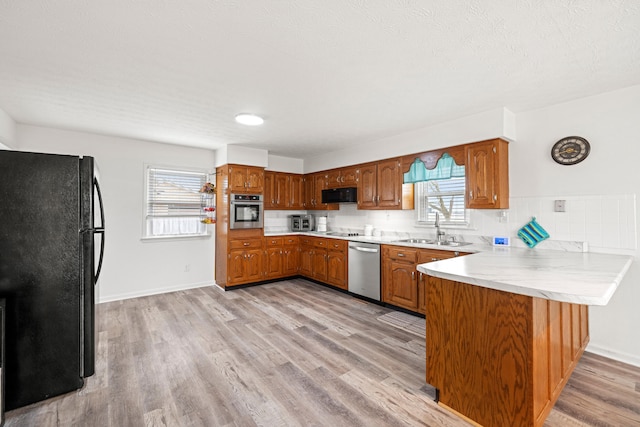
429	220
190	221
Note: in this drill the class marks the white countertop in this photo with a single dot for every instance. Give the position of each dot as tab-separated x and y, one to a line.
574	277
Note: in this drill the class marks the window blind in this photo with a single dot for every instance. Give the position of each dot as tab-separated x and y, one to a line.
173	193
443	196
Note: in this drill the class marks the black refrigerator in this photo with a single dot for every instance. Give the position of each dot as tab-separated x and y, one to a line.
51	249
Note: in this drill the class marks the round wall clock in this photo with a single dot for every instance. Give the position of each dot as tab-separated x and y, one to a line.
570	150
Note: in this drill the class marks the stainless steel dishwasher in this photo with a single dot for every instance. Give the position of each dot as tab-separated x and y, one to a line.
364	269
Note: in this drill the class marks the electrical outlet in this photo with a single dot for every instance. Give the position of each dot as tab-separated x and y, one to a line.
559	206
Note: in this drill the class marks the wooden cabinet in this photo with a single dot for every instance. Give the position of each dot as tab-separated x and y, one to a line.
517	349
402	284
487	174
337	265
296	191
290	256
281	256
343	177
399	281
246	179
244	261
313	186
324	260
380	185
283	190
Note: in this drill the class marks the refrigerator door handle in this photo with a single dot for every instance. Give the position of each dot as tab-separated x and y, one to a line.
99	230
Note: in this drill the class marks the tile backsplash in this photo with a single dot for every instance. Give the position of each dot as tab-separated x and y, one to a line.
605	222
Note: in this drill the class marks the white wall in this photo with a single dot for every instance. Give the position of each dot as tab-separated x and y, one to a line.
7	131
133	267
610	123
489	124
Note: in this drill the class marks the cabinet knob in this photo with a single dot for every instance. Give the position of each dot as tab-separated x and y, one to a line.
245	244
434	259
400	254
495	197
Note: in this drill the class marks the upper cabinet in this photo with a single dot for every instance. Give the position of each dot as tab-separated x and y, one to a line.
313	186
246	179
343	177
487	174
380	185
283	190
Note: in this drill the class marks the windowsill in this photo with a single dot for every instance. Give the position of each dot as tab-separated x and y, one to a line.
149	239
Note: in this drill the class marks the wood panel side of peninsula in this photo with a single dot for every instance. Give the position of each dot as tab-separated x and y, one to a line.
498	358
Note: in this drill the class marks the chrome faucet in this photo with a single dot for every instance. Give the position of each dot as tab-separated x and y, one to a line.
439	233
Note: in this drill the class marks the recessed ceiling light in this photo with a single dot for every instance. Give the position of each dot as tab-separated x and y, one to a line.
249	119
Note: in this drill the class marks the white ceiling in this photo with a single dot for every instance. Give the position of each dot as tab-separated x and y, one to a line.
323	73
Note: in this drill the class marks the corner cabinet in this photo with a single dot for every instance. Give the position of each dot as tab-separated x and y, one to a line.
402	284
487	174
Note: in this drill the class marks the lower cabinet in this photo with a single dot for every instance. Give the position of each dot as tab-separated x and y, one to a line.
402	284
324	260
337	263
245	262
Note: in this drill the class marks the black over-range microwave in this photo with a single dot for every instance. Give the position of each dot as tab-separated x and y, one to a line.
340	195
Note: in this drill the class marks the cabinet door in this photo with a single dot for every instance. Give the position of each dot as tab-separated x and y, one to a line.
255	180
274	262
235	269
296	192
389	184
237	179
334	179
403	287
337	269
290	260
309	192
281	187
319	263
349	177
422	292
269	190
253	265
487	172
306	262
367	191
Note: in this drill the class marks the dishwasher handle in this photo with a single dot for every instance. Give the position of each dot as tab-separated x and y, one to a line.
363	249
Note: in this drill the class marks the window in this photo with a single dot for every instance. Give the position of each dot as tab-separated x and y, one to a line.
445	196
173	203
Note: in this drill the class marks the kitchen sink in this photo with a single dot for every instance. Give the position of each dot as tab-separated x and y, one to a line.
424	241
433	242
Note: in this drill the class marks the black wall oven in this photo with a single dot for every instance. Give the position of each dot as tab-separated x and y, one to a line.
246	211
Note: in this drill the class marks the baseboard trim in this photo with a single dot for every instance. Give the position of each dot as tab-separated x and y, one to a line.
155	291
615	355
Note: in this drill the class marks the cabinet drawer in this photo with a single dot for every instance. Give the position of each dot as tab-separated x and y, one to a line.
320	243
308	241
402	254
291	240
246	244
273	241
337	245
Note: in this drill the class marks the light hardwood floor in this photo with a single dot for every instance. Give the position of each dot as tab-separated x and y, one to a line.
291	353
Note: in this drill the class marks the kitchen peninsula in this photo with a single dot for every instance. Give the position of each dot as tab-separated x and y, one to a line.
505	328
